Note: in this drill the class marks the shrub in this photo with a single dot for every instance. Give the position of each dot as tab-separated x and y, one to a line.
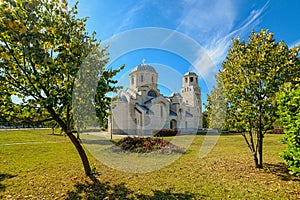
289	112
166	133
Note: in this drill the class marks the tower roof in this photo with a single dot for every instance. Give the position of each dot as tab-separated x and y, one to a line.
143	67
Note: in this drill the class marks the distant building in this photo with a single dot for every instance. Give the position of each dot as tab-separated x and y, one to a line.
142	110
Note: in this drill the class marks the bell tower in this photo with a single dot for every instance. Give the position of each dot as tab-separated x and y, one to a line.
191	94
190	90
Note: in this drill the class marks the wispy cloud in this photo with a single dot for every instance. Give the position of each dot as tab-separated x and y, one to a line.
211	23
214	25
129	17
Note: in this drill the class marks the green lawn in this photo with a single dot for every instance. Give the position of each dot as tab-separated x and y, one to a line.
37	165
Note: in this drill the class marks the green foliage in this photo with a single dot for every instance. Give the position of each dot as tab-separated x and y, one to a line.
252	74
289	112
217	106
43	46
205	119
102	101
93	82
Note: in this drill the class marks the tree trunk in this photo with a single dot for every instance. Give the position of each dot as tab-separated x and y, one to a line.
255	160
260	150
260	140
82	153
73	139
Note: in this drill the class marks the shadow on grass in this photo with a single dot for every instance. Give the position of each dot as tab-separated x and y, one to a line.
281	170
100	142
57	134
99	190
2	177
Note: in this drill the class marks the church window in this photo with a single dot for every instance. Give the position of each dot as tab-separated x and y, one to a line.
142	78
191	79
132	80
186	124
196	79
152	93
161	111
152	79
186	80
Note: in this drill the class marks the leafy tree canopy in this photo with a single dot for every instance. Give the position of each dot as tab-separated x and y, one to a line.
289	112
252	74
42	46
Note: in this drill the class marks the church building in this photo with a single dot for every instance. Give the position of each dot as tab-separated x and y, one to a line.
142	110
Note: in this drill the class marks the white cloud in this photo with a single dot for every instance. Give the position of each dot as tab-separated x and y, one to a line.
211	23
207	19
129	18
213	26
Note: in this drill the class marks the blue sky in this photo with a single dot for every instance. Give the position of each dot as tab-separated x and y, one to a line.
209	23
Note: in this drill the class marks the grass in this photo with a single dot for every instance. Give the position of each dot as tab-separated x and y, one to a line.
37	165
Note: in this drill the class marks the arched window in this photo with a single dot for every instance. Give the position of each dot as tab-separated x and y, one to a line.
132	80
161	111
152	93
191	79
186	79
142	78
152	79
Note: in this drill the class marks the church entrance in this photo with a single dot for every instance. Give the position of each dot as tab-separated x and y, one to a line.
173	124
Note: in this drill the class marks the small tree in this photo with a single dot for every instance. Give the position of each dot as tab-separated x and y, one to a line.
102	101
289	112
43	45
252	74
217	106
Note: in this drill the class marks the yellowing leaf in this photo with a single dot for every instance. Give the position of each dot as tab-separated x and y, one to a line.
23	30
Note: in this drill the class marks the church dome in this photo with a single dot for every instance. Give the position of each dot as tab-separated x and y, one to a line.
143	67
175	94
190	73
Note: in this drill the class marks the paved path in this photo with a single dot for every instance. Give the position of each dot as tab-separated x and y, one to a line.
104	134
19	143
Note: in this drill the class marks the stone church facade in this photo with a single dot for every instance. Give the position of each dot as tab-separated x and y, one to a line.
142	110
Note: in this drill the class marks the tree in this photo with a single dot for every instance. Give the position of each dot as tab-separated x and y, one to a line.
217	106
205	119
252	74
102	101
289	112
43	44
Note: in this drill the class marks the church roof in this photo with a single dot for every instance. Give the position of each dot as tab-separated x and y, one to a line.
143	67
148	111
190	73
149	100
172	113
188	114
175	94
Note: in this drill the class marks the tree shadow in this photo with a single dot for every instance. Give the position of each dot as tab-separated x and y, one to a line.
168	195
100	142
97	190
2	177
281	170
